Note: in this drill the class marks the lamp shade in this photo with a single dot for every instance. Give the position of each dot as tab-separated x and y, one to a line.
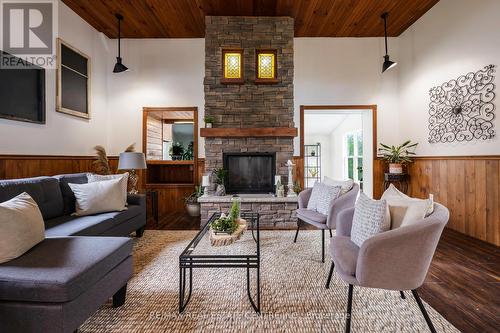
205	181
131	161
388	64
119	67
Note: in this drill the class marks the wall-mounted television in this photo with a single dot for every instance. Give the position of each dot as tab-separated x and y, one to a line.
22	91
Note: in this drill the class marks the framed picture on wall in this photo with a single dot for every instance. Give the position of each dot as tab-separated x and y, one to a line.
73	81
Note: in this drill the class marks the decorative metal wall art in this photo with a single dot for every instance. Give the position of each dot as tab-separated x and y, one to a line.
462	109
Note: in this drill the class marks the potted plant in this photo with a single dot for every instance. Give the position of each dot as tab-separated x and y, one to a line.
220	175
192	204
397	156
176	151
209	120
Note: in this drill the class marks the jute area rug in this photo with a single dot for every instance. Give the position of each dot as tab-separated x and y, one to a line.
294	298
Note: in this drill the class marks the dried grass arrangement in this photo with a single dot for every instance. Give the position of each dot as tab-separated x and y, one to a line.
101	164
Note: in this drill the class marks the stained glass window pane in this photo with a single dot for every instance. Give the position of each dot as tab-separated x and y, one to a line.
232	65
266	66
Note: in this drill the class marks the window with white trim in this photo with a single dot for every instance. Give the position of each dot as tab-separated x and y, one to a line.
353	156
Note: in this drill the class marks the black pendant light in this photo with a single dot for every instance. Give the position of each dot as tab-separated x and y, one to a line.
387	63
119	67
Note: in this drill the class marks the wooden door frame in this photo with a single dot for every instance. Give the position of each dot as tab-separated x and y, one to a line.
371	107
194	109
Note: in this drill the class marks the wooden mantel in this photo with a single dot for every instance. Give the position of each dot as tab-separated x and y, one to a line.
236	132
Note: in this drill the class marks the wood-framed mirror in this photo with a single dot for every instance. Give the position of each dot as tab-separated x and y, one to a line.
170	143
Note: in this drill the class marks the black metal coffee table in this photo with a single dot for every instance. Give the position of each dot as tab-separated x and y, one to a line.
200	254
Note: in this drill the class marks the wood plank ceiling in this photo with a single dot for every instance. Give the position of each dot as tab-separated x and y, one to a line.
313	18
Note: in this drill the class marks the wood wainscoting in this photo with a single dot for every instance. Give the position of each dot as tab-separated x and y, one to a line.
469	186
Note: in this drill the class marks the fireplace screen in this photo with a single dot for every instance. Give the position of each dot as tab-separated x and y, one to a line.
250	172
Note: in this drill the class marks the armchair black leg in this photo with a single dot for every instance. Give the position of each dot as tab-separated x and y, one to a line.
119	297
327	286
402	294
322	245
349	310
297	233
424	312
330	233
139	232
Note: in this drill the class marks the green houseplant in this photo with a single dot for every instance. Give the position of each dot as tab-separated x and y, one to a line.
176	151
397	156
192	204
209	120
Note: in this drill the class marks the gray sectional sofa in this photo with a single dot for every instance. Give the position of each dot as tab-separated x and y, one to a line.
60	282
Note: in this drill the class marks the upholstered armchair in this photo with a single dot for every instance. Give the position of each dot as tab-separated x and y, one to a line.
397	259
319	220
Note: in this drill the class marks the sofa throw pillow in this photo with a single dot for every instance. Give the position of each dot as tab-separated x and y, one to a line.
321	197
92	178
405	210
98	197
346	185
370	218
21	226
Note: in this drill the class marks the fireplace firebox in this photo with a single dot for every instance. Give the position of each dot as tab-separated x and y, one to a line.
250	172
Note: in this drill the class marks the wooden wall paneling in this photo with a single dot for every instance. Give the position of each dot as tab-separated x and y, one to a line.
468	186
479	229
171	199
492	202
200	170
154	136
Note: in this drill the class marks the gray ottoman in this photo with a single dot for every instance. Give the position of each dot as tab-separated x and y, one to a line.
59	283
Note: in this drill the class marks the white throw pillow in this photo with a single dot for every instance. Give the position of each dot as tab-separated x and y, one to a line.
21	226
405	210
98	197
321	197
92	178
346	185
370	218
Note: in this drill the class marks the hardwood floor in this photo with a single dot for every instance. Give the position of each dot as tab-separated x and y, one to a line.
463	283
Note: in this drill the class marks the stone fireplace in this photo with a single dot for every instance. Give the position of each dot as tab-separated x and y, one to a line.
249	105
251	119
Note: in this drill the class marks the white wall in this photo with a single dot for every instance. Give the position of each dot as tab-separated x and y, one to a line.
63	134
163	72
455	37
342	71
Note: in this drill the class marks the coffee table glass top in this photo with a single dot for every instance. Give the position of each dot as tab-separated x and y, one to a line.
246	246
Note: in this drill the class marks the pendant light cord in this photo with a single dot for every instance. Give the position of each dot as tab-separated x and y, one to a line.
384	16
119	38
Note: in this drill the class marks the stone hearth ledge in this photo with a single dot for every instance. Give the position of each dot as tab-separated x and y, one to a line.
275	213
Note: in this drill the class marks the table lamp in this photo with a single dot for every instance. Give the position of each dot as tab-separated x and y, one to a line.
132	161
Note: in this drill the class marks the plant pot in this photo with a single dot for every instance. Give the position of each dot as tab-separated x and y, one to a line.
193	209
208	125
396	168
176	157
